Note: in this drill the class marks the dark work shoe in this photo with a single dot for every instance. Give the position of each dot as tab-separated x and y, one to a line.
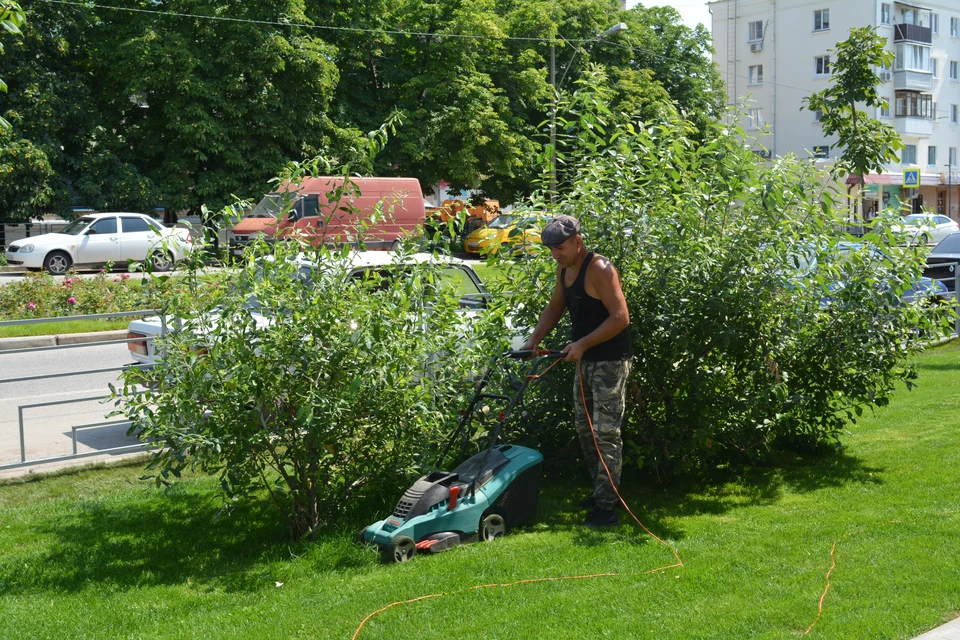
601	518
588	503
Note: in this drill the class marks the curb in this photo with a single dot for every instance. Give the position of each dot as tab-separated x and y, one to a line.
30	342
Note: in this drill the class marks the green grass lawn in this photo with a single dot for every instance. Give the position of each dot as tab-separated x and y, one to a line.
101	554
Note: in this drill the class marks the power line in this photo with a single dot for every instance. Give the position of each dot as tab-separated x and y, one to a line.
302	25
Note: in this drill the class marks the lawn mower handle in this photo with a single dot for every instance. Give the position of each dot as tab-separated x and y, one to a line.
526	354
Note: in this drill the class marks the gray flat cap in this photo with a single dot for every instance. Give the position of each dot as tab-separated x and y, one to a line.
559	230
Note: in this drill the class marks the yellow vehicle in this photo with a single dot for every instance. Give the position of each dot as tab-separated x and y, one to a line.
516	231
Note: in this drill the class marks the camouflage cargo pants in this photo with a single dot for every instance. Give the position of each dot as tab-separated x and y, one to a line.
605	391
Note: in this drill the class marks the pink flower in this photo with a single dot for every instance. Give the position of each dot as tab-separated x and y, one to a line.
31	306
68	281
72	300
125	276
116	279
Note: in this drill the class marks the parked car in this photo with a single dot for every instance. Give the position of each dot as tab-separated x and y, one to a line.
924	288
941	260
455	273
924	228
515	230
99	238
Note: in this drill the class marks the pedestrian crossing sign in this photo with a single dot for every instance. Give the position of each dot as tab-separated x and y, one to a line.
911	178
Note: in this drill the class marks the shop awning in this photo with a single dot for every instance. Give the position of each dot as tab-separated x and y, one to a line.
926	179
876	178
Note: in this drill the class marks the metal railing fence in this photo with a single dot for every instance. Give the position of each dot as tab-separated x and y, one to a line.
74	429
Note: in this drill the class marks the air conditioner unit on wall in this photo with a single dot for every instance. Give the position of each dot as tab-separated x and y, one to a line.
886	76
756	46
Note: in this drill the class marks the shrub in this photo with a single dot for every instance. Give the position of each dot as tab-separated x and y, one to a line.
739	347
39	295
344	387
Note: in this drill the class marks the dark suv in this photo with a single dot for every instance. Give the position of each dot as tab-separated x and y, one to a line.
941	261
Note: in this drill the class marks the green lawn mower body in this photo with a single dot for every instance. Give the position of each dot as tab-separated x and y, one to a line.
485	496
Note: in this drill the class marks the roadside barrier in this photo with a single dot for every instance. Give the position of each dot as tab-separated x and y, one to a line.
41	345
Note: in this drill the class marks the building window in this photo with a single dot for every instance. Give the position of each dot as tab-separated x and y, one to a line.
755	74
821	151
884	13
821	66
932	156
935	23
953	156
955	27
954	70
754	118
914	57
756	31
818	115
909	154
821	19
954	114
935	67
885	109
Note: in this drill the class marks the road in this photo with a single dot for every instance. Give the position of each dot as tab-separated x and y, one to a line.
48	430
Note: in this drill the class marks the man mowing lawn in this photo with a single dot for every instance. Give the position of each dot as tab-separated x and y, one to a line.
588	285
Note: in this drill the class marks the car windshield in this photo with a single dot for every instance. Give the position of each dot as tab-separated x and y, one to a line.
502	222
917	220
77	226
273	205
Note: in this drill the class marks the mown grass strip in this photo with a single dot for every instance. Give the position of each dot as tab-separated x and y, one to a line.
103	554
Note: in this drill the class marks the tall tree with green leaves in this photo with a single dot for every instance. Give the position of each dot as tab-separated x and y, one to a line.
11	18
867	144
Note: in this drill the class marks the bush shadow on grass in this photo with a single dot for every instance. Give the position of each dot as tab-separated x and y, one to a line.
712	493
172	537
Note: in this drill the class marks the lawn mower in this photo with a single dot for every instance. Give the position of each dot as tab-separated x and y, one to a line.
487	495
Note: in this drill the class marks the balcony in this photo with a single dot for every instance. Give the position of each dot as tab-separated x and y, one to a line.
912	80
912	33
914	114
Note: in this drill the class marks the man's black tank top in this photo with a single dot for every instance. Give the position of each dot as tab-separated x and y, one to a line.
587	313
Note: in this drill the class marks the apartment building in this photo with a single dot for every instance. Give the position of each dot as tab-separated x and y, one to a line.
773	53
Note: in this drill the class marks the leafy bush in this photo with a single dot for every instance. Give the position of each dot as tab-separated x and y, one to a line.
741	346
39	295
345	388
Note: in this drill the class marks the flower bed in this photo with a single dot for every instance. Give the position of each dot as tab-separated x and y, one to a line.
39	295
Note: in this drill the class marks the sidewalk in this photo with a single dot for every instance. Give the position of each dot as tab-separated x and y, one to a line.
29	342
949	631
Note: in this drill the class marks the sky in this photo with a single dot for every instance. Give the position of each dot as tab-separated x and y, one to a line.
692	11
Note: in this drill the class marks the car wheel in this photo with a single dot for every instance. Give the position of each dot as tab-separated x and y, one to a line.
57	263
492	526
400	549
161	260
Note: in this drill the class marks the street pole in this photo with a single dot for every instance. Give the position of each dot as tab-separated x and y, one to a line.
949	184
553	124
617	28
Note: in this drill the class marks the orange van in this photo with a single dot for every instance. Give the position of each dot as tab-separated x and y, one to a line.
315	209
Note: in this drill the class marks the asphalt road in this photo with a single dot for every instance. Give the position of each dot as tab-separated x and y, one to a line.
48	429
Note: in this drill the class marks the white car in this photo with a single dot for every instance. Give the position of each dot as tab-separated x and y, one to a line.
924	228
98	238
457	273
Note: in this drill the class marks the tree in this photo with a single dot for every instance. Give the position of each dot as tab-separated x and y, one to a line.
867	144
11	19
755	331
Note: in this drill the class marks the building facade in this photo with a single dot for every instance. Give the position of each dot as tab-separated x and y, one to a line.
773	53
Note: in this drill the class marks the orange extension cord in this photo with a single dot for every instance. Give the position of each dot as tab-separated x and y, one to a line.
678	563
